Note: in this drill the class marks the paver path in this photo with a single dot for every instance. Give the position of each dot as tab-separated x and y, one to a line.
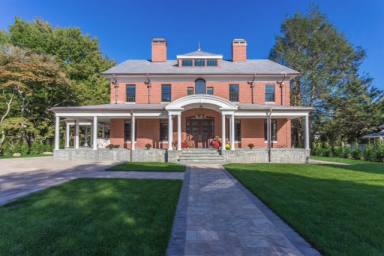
216	215
20	177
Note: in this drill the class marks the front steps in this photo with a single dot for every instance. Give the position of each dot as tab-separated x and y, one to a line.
200	155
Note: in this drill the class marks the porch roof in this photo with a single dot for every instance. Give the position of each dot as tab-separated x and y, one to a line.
124	107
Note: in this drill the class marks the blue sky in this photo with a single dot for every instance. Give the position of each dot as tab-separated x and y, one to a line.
125	28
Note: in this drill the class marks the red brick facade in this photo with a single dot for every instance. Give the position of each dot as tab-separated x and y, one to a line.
251	129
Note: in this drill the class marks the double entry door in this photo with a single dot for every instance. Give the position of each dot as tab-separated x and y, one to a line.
200	132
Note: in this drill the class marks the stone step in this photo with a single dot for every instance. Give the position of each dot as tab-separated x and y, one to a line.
202	158
197	154
195	161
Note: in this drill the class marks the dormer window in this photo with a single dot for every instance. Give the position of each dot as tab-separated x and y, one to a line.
186	63
199	58
212	63
199	62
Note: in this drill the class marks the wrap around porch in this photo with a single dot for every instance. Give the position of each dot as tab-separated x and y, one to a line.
194	121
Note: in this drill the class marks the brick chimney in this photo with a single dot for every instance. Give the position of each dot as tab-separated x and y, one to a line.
159	50
239	50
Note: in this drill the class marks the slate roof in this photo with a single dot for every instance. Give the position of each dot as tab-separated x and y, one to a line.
250	67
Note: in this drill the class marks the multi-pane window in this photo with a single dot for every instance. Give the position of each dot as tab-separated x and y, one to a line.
163	130
269	93
128	130
166	95
190	91
210	90
211	62
234	92
130	93
186	63
237	130
200	62
200	86
273	129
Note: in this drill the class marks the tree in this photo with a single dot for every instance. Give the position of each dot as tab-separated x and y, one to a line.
78	54
329	80
30	84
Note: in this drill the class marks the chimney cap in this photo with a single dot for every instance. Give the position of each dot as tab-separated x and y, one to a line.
159	40
239	41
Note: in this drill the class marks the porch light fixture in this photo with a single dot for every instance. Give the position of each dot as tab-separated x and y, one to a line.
148	83
115	87
280	83
252	85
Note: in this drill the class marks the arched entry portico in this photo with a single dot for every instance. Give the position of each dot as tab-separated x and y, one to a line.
201	101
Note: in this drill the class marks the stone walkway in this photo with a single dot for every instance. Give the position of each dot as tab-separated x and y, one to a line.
20	177
216	215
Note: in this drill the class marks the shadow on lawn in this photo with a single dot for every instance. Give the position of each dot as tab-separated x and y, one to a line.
336	216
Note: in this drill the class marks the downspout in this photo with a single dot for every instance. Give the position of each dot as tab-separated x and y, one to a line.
131	153
269	133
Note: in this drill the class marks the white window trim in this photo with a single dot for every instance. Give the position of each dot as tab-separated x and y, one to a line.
274	141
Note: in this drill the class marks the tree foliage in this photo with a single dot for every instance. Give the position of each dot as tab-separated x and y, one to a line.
30	83
346	105
42	67
79	54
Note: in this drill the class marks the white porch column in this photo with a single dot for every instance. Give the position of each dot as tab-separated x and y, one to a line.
67	134
222	132
77	131
179	131
170	131
133	132
94	131
57	133
86	135
307	132
233	132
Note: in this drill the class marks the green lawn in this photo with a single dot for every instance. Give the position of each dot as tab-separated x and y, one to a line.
340	160
91	217
339	209
148	167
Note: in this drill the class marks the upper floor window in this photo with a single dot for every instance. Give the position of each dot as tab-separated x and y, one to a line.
130	93
190	91
273	129
186	63
166	92
199	62
212	62
234	92
270	93
200	86
210	90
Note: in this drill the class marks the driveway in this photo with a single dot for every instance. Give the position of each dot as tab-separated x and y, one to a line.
22	176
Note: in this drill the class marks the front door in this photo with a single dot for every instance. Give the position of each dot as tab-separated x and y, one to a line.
200	132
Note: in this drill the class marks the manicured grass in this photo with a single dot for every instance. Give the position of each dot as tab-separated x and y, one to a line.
339	209
91	217
340	160
148	167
